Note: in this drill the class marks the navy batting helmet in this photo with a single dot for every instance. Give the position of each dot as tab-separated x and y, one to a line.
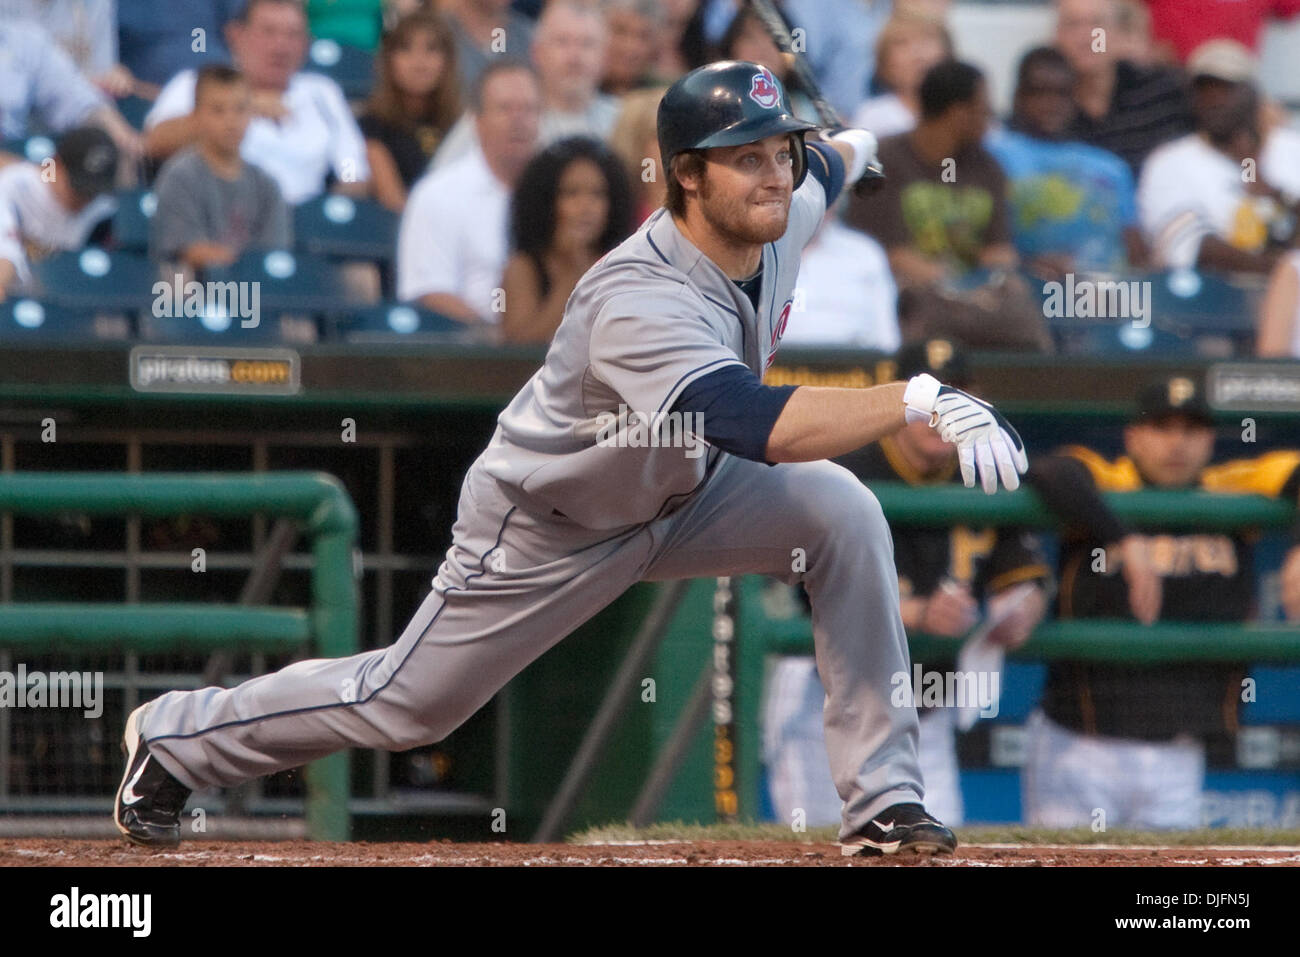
726	104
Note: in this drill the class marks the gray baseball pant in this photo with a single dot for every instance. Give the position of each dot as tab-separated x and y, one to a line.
515	582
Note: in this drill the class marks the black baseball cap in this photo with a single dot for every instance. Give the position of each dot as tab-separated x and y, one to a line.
941	358
90	157
1174	395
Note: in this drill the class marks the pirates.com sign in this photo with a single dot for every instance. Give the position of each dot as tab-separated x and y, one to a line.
1254	386
212	369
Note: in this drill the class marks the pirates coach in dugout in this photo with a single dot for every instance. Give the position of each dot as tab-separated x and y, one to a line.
1130	740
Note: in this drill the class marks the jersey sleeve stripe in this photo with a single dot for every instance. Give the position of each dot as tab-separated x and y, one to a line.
689	377
658	251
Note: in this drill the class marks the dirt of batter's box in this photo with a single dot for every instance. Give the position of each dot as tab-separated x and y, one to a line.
110	853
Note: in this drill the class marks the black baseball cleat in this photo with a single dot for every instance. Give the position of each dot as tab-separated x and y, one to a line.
901	827
149	800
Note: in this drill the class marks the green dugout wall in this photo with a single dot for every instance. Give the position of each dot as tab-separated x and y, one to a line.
397	425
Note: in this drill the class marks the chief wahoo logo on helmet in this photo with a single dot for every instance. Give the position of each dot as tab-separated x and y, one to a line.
764	90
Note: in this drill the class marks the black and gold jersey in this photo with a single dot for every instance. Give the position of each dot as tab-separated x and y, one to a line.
1206	577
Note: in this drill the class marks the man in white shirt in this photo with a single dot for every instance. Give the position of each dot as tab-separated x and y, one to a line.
845	295
55	206
302	130
1222	198
452	248
569	53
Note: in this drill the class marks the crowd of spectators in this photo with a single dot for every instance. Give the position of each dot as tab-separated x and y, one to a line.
1138	140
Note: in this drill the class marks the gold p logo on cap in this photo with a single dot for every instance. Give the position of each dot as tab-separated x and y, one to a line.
937	353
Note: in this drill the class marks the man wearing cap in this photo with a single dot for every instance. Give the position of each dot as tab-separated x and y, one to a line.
950	580
1224	197
55	206
1131	739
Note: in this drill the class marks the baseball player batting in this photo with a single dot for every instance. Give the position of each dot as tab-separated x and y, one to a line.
564	511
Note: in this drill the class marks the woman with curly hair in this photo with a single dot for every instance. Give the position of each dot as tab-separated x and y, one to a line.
572	205
416	99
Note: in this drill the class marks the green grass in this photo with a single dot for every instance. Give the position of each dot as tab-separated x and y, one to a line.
979	834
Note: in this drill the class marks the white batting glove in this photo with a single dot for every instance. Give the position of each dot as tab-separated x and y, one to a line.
984	439
864	146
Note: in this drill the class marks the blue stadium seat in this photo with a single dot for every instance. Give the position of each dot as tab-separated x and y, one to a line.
34	149
287	281
30	320
394	322
218	328
1189	301
135	209
97	280
344	228
351	68
295	291
133	109
1106	338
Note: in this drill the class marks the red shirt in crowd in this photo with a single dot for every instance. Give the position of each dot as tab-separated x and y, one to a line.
1186	24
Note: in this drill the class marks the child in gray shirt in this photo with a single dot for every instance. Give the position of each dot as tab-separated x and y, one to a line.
212	205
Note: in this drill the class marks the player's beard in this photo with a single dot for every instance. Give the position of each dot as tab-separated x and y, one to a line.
731	218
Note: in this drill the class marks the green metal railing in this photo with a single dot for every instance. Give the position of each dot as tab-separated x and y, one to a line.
316	500
909	505
1089	639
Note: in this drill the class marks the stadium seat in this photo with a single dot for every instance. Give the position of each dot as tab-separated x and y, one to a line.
133	109
220	328
287	281
34	149
1106	338
97	280
393	322
295	291
351	68
135	209
343	228
1189	301
30	320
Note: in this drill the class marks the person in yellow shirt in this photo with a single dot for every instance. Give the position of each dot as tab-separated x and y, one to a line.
1131	739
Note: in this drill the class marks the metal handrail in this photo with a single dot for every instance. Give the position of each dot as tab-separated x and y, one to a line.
317	500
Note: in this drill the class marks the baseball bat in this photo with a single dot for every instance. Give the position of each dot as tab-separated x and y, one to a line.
767	14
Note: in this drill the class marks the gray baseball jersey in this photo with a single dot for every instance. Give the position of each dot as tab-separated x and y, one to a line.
554	523
644	322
